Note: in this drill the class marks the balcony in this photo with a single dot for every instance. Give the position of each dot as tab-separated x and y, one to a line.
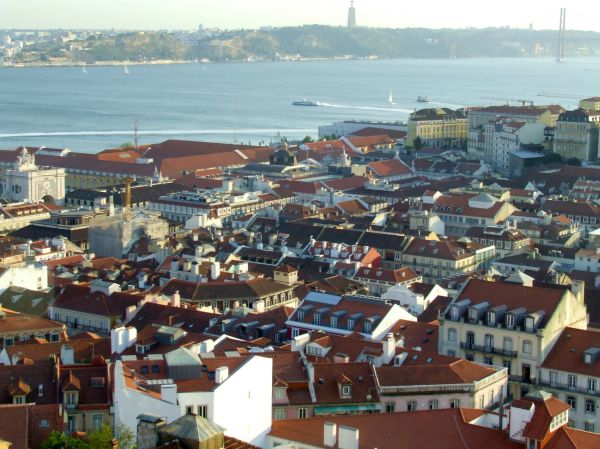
566	387
487	349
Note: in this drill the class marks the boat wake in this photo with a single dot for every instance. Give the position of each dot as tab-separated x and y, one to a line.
364	108
161	132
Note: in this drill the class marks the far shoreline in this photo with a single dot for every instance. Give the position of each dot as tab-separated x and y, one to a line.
242	61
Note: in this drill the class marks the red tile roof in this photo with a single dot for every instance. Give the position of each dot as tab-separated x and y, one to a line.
568	352
425	429
389	167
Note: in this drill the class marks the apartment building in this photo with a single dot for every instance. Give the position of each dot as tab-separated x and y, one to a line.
506	239
460	212
438	127
233	392
345	315
577	134
511	325
436	260
422	381
571	372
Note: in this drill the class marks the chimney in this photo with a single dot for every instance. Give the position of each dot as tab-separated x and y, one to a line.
259	306
215	270
195	268
168	393
221	374
176	299
389	348
348	438
329	434
67	355
111	206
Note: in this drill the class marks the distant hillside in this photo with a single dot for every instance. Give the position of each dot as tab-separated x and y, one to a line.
317	41
311	41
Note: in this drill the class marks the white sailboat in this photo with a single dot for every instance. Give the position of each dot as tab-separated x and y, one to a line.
391	99
125	69
83	68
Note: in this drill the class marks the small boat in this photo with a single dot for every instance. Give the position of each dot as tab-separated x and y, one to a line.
83	68
391	99
125	69
423	99
305	102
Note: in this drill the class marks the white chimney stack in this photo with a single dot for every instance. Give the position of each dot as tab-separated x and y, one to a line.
348	438
221	374
215	270
329	434
168	393
176	299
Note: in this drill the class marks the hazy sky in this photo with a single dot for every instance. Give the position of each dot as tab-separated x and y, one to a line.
187	14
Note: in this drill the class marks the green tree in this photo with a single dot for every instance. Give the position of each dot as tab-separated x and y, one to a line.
307	139
573	161
125	437
58	440
101	438
417	143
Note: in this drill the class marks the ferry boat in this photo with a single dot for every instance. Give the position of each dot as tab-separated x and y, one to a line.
423	99
305	102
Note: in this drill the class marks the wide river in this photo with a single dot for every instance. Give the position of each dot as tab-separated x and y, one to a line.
92	109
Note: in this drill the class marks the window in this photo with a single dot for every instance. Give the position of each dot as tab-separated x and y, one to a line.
350	325
553	378
295	332
411	406
390	407
433	404
40	390
189	410
590	406
203	411
491	318
71	424
527	347
529	324
488	360
589	427
455	403
367	327
301	413
300	315
451	334
489	342
316	319
510	321
508	345
96	422
18	399
279	393
572	381
279	413
591	384
346	390
334	322
572	401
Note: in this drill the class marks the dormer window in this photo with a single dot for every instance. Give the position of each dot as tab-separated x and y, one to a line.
367	327
529	324
350	325
316	319
300	315
71	399
491	318
334	322
40	390
473	314
19	399
346	391
510	321
454	313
